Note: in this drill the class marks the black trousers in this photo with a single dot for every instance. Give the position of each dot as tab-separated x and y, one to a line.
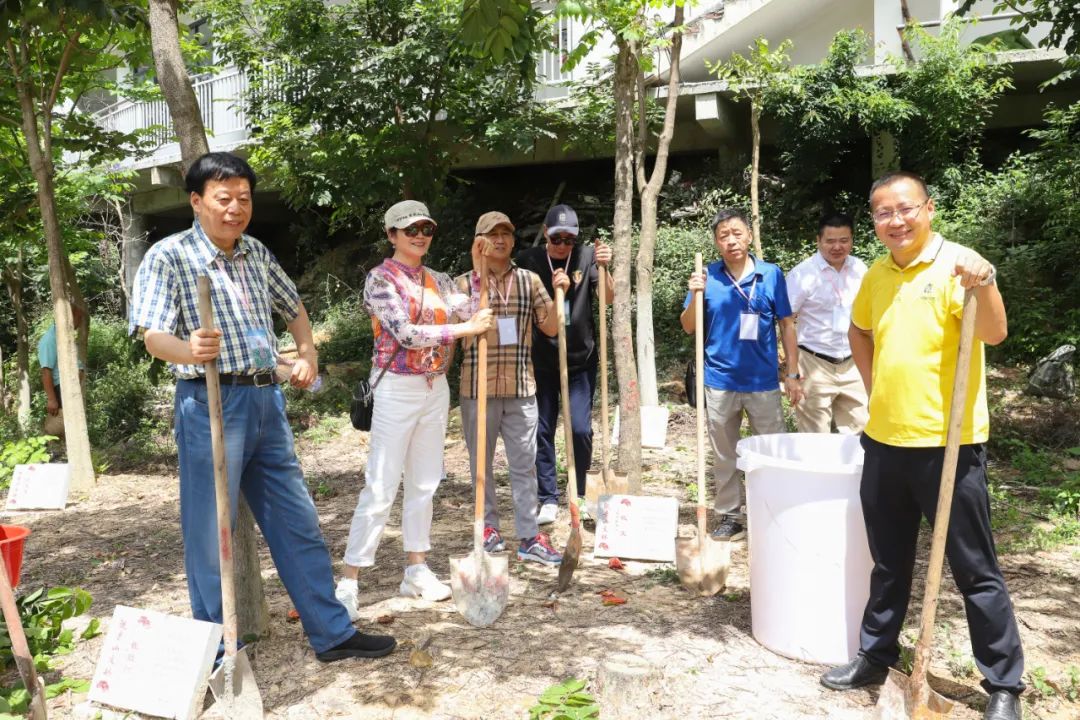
899	487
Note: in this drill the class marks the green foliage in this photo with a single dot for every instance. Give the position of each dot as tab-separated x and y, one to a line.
953	90
22	451
497	27
348	334
42	614
1025	218
358	103
1063	18
120	390
565	701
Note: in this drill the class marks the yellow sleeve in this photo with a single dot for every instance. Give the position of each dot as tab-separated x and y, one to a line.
862	315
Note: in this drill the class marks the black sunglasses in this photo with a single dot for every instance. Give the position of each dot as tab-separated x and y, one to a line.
562	239
414	230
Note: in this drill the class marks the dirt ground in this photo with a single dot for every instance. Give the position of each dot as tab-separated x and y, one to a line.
123	545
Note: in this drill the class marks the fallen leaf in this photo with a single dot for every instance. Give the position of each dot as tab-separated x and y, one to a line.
553	604
421	659
385	619
615	564
292	615
613	600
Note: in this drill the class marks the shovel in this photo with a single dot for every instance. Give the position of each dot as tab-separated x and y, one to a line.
572	553
19	649
607	482
702	562
912	697
480	581
233	683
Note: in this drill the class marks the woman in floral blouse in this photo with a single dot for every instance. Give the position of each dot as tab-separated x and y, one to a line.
417	314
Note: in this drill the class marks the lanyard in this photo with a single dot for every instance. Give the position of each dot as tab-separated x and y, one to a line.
505	299
565	267
837	289
753	288
241	294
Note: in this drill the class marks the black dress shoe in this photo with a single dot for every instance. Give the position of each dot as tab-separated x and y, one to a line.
359	645
1003	705
855	674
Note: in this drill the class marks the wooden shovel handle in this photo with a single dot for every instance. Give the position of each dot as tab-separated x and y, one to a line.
564	383
221	477
19	648
699	387
481	415
945	493
604	446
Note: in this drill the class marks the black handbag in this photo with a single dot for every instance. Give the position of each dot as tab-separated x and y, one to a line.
690	380
362	406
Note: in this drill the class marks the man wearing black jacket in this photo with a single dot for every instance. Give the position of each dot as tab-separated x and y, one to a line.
583	264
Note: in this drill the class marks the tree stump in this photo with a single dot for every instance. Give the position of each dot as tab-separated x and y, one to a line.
628	687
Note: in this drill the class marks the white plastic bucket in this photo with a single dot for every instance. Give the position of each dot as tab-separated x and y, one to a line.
809	560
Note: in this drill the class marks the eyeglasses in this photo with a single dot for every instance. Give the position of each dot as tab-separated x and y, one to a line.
908	212
414	230
562	240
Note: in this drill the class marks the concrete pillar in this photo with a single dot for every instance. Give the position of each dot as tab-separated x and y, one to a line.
135	230
883	154
887	16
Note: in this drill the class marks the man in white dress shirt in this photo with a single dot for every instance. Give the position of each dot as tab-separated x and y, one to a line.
821	289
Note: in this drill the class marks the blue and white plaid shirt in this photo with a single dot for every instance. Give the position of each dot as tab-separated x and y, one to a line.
166	296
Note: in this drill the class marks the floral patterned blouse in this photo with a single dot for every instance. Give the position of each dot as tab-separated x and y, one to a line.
392	295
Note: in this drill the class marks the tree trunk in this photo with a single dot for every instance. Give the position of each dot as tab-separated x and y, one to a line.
622	331
13	280
650	196
76	438
253	615
175	84
755	158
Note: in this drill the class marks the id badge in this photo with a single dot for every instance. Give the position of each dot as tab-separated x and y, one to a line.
508	334
260	350
566	313
841	318
748	326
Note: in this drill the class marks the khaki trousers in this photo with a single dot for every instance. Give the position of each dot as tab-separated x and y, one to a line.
834	395
724	410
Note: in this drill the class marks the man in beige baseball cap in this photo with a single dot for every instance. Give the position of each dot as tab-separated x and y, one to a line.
519	301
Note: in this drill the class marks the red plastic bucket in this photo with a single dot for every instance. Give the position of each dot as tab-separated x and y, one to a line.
12	540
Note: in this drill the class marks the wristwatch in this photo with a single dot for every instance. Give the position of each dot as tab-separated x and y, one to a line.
991	278
796	376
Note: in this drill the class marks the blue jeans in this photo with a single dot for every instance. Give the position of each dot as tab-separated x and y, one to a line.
582	384
261	461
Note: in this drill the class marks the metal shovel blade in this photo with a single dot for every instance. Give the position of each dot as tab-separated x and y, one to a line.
703	565
572	553
899	700
240	698
481	585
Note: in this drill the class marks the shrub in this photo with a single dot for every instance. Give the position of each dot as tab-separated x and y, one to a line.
346	333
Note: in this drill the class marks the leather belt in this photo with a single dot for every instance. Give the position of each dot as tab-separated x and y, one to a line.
826	358
264	379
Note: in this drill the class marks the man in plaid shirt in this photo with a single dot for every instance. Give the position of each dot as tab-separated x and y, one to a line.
247	284
518	299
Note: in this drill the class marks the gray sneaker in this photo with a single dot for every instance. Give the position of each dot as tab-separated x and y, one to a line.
729	529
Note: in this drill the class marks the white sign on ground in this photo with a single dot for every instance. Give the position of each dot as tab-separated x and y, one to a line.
42	486
155	664
637	527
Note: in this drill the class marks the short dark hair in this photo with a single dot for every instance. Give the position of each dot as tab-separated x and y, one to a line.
891	177
725	214
217	166
835	220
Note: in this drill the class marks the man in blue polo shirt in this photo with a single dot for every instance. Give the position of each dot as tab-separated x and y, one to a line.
745	299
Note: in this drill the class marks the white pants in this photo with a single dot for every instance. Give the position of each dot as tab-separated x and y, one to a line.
408	432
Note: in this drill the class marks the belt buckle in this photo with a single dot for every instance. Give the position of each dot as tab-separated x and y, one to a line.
269	376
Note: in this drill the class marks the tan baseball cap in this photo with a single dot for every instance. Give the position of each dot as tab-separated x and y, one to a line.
405	213
491	220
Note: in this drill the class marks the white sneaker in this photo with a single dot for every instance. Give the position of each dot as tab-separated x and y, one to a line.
548	513
420	582
347	593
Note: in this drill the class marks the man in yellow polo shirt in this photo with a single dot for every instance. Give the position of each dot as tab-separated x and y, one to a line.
905	329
